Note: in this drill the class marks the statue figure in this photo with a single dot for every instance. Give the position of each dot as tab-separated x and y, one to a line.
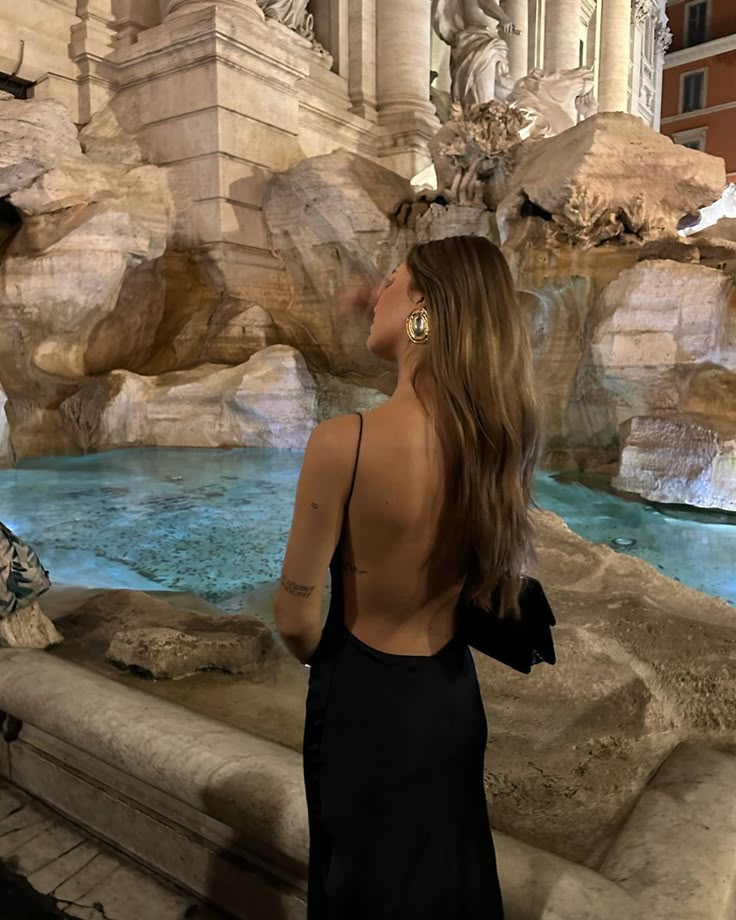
711	214
292	13
474	145
554	102
479	59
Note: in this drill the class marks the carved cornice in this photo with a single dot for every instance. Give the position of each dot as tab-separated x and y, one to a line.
641	10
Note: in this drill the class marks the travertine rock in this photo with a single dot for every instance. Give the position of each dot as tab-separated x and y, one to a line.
609	177
239	330
330	216
682	459
340	397
234	644
7	456
33	136
87	224
556	314
652	331
28	627
270	401
643	663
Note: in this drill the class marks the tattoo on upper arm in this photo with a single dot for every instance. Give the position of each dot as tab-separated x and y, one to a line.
296	590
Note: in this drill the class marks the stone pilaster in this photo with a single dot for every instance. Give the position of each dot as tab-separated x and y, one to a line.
362	57
562	31
404	36
613	86
133	17
90	48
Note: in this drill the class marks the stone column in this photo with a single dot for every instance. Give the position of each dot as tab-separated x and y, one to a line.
562	35
404	53
613	85
518	10
247	8
403	45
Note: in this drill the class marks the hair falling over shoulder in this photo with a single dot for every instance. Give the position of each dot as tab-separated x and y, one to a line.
479	360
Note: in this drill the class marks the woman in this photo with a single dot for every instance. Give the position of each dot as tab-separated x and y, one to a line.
412	504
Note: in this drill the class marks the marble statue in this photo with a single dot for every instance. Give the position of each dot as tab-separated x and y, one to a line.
292	13
479	58
710	215
554	102
471	147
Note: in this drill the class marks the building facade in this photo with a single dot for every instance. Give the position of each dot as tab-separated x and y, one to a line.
699	85
224	94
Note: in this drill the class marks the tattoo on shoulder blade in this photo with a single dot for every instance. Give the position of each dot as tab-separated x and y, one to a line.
353	568
297	590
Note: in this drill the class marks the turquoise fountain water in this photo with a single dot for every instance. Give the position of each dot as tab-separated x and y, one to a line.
215	522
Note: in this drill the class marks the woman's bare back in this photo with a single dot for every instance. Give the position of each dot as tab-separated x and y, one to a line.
391	526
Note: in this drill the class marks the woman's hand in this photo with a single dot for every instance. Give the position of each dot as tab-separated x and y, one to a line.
359	296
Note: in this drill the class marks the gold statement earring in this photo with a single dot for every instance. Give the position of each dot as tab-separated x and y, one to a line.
417	326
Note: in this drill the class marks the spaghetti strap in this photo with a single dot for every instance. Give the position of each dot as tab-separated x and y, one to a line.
355	468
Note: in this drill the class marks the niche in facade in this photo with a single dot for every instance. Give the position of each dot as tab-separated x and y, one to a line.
21	89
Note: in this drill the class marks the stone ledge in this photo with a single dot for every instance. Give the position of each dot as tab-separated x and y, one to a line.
190	796
677	851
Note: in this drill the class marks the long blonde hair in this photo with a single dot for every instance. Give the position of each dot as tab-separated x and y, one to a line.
479	360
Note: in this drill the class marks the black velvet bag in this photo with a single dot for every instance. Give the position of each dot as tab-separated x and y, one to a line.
519	642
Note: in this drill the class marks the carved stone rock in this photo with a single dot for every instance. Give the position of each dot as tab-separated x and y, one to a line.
235	645
33	137
28	627
74	298
270	401
684	459
609	178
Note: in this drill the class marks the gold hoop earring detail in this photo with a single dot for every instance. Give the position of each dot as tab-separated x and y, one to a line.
417	326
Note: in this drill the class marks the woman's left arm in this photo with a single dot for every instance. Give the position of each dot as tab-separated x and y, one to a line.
315	529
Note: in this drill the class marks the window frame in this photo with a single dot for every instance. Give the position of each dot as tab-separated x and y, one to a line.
704	98
698	135
686	22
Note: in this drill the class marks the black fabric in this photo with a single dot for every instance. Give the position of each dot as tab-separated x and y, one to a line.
519	642
394	749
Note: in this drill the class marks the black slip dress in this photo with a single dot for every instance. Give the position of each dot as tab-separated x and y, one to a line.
393	768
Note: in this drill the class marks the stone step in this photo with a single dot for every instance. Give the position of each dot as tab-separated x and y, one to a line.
676	854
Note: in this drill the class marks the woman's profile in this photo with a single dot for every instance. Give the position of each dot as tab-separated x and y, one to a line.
413	505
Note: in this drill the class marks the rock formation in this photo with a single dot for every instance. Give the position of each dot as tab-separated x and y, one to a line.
233	644
270	401
579	188
680	458
90	225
